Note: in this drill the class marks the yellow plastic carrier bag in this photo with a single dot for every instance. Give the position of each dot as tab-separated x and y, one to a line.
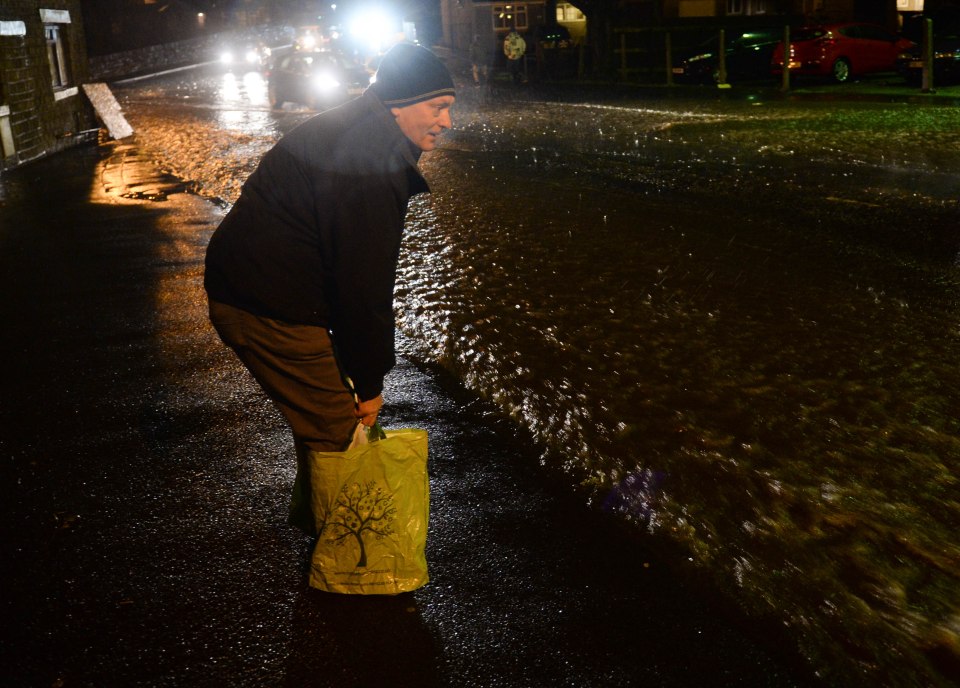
371	505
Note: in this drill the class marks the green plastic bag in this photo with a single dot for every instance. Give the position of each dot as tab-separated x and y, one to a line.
371	505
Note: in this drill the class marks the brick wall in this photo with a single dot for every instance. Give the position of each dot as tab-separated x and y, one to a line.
36	117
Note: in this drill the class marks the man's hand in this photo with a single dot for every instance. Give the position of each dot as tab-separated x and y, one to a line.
367	410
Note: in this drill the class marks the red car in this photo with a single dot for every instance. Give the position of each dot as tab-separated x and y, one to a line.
840	51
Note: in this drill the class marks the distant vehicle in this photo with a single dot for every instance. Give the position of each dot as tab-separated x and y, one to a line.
840	51
946	50
315	79
747	58
310	39
245	55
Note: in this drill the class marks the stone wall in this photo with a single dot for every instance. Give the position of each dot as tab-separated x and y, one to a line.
153	58
157	58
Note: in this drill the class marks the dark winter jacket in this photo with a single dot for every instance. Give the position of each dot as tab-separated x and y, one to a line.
315	236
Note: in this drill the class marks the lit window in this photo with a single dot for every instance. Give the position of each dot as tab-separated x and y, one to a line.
506	17
568	13
56	56
751	6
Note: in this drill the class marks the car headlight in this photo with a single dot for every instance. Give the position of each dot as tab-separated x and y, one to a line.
697	58
226	57
252	56
325	82
947	55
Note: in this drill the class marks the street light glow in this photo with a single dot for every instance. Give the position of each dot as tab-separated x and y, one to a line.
374	27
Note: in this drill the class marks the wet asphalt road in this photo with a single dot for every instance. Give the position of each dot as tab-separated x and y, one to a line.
145	486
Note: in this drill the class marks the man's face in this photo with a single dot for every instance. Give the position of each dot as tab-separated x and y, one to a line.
424	122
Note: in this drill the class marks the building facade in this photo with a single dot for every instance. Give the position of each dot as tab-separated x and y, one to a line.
879	11
488	22
463	19
43	64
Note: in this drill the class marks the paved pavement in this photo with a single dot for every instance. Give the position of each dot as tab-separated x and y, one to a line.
145	482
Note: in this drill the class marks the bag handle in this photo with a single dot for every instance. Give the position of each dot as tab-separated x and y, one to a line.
374	432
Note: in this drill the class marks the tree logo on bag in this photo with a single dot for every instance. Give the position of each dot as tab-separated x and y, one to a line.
361	509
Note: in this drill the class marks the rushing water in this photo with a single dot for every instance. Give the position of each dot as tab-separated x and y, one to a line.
738	329
735	325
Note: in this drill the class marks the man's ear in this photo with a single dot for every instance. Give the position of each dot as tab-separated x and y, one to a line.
395	111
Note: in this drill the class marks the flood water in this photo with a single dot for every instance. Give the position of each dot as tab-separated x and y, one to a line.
738	329
734	324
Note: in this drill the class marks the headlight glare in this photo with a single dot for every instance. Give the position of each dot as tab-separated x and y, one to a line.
325	82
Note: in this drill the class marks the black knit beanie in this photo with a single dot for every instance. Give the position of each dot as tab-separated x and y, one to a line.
410	74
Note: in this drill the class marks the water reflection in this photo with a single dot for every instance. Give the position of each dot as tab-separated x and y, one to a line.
243	103
256	88
736	330
229	89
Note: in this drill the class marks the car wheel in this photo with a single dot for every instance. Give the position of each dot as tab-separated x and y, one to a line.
841	70
275	101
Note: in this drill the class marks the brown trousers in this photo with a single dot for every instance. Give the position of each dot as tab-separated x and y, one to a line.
296	366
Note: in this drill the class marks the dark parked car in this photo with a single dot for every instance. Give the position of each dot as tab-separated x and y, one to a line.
840	51
946	50
747	58
315	79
